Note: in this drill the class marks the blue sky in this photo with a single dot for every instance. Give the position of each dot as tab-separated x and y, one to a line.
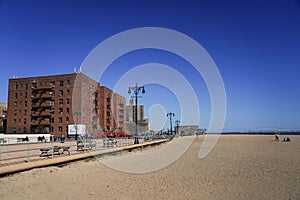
255	45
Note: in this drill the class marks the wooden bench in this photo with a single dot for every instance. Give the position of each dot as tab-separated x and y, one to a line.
56	150
109	142
2	140
89	145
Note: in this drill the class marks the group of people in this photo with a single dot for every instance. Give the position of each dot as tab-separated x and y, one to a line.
285	139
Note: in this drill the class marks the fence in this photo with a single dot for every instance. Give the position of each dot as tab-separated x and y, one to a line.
32	151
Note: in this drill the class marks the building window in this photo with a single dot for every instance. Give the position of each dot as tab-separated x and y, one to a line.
52	84
68	92
68	101
52	111
25	103
20	103
41	83
67	120
61	102
51	102
68	110
15	121
60	120
25	112
33	85
16	95
51	120
15	112
15	104
59	129
68	82
26	86
60	111
61	83
61	92
52	93
51	129
14	130
25	94
24	129
24	121
17	86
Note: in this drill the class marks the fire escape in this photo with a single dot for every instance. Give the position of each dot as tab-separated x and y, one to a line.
121	116
108	112
42	108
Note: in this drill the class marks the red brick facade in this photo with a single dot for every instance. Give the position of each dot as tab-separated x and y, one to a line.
48	104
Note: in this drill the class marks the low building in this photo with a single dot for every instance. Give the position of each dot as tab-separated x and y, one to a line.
188	130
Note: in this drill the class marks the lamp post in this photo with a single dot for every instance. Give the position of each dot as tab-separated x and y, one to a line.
136	91
170	114
177	122
76	122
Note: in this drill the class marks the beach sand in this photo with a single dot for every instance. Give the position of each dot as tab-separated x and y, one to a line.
239	167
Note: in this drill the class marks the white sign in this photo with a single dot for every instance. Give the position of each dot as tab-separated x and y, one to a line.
79	127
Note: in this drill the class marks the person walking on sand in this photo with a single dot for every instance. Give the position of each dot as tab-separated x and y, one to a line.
276	137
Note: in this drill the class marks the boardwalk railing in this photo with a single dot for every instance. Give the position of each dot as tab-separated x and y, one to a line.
32	151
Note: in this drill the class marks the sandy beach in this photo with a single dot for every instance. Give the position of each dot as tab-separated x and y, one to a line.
239	167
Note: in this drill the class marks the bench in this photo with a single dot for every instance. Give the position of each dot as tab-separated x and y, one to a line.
2	140
26	139
89	145
56	150
109	142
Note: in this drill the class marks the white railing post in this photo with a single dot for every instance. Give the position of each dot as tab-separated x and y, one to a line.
70	149
52	149
0	152
28	152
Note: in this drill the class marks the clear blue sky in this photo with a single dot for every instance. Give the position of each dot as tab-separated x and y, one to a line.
255	44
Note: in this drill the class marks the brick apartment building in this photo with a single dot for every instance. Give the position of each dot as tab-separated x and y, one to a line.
48	104
119	112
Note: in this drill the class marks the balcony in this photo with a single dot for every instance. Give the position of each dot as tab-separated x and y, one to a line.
36	124
42	88
41	114
36	97
41	105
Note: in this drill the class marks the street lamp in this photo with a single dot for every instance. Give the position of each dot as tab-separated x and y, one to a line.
76	122
136	91
170	114
177	122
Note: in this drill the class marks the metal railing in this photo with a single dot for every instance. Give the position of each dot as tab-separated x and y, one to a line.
32	151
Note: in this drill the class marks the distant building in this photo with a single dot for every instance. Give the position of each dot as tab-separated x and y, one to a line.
188	130
48	104
3	116
143	124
